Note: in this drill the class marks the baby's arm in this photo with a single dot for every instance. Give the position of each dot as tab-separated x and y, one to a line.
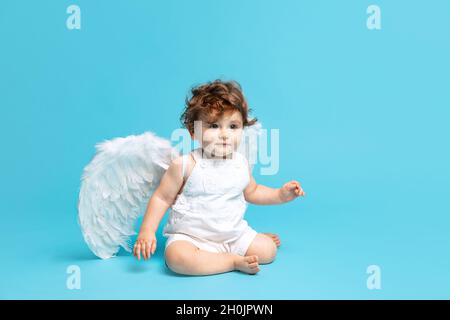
161	199
260	194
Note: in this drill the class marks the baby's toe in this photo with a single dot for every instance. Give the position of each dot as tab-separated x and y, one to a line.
272	235
251	259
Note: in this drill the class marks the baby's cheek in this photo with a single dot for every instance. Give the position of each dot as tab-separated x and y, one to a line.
208	137
238	136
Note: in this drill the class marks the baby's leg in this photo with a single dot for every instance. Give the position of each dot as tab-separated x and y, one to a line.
274	238
264	247
185	258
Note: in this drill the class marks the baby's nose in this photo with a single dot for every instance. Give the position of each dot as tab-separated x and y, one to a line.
224	135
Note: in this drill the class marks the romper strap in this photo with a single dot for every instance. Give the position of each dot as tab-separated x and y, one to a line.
185	161
197	154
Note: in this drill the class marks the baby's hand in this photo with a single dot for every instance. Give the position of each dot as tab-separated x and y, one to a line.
290	191
145	243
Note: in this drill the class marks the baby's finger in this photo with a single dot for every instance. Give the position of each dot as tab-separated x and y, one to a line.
138	251
147	250
153	247
135	249
143	250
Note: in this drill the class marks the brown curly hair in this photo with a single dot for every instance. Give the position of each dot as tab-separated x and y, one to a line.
211	100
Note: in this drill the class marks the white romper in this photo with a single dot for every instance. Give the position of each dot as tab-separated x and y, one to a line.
209	212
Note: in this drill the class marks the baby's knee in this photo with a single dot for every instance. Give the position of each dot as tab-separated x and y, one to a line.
268	254
177	257
272	252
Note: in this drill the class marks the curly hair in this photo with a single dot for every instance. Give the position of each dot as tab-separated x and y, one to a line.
211	100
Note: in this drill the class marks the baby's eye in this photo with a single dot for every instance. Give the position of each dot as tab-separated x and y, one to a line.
213	125
234	126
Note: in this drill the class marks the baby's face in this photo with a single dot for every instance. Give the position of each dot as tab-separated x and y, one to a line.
221	138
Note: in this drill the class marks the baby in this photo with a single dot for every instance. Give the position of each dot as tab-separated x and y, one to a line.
208	190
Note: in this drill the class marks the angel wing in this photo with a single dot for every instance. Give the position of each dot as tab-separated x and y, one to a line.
115	187
249	143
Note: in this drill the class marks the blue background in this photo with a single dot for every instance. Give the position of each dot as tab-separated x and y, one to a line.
363	118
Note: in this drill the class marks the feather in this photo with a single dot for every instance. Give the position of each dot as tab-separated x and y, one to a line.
116	186
249	143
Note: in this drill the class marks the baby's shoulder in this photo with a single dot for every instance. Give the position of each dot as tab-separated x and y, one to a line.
183	159
183	164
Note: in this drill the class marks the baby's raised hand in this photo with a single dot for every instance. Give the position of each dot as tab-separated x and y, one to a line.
290	191
145	244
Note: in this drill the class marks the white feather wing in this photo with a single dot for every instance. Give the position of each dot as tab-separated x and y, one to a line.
249	143
116	186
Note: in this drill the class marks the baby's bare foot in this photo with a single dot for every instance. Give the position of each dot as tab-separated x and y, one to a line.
247	264
274	237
